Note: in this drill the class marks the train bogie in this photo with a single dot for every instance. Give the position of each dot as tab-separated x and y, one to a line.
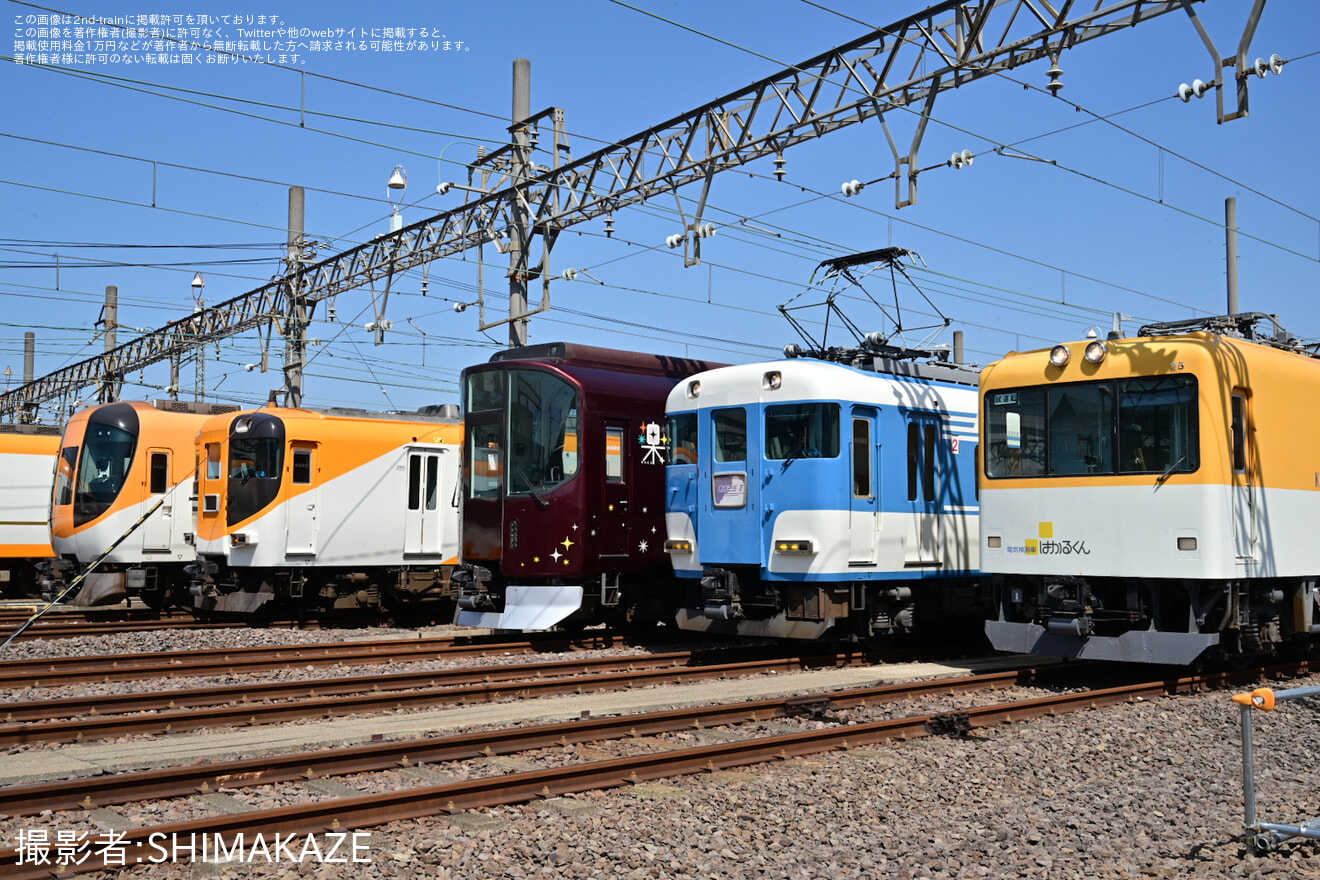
809	498
563	488
326	510
1150	499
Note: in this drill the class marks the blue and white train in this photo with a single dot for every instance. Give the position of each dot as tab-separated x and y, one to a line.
811	499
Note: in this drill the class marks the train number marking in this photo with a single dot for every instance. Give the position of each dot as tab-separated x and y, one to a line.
955	445
1176	365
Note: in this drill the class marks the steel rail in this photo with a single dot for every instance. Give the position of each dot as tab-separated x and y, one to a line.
77	730
174	664
120	788
366	811
255	692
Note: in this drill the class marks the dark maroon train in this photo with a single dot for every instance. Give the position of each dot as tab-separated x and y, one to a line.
563	488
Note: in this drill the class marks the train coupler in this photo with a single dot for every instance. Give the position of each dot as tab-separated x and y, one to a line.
471	582
721	597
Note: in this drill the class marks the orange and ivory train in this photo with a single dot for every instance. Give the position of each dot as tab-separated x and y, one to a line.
125	471
27	468
1154	499
326	510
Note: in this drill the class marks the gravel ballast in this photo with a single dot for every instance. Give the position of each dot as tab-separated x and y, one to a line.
1150	789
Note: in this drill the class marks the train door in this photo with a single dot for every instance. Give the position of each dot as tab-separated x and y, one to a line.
156	530
612	526
730	524
303	502
863	517
423	526
1244	494
923	538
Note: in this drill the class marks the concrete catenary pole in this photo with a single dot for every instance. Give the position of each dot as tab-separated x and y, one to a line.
110	379
295	338
520	230
29	413
1230	245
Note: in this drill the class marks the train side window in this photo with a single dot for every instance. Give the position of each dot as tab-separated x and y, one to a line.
730	434
683	438
1239	433
64	475
928	463
302	467
414	482
802	430
614	455
913	458
486	460
159	472
861	458
432	481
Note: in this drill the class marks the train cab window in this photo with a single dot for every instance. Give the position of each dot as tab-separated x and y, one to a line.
1157	425
106	458
159	472
64	470
802	430
861	459
485	391
730	434
255	458
213	461
1239	433
683	438
543	425
1141	425
302	467
1081	429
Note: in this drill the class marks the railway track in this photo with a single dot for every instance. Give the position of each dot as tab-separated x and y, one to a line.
244	704
48	672
341	814
65	622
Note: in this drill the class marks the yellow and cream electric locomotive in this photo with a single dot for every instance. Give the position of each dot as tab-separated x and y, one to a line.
1153	499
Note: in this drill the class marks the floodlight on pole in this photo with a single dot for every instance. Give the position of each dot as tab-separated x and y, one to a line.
398	184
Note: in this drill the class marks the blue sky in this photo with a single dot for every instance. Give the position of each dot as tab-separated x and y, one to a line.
191	164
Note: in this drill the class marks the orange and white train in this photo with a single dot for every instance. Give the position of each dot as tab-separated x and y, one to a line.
334	510
118	463
1154	499
27	467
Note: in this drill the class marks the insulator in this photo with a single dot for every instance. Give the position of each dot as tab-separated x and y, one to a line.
1054	73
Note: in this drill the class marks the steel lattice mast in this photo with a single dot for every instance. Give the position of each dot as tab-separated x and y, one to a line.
903	67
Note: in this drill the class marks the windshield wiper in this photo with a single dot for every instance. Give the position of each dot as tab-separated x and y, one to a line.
535	494
1170	469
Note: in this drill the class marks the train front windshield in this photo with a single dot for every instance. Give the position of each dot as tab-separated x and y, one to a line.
542	430
103	466
1143	425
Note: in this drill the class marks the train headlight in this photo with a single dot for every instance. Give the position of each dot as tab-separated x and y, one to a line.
1095	351
1059	355
794	548
678	546
772	380
694	388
